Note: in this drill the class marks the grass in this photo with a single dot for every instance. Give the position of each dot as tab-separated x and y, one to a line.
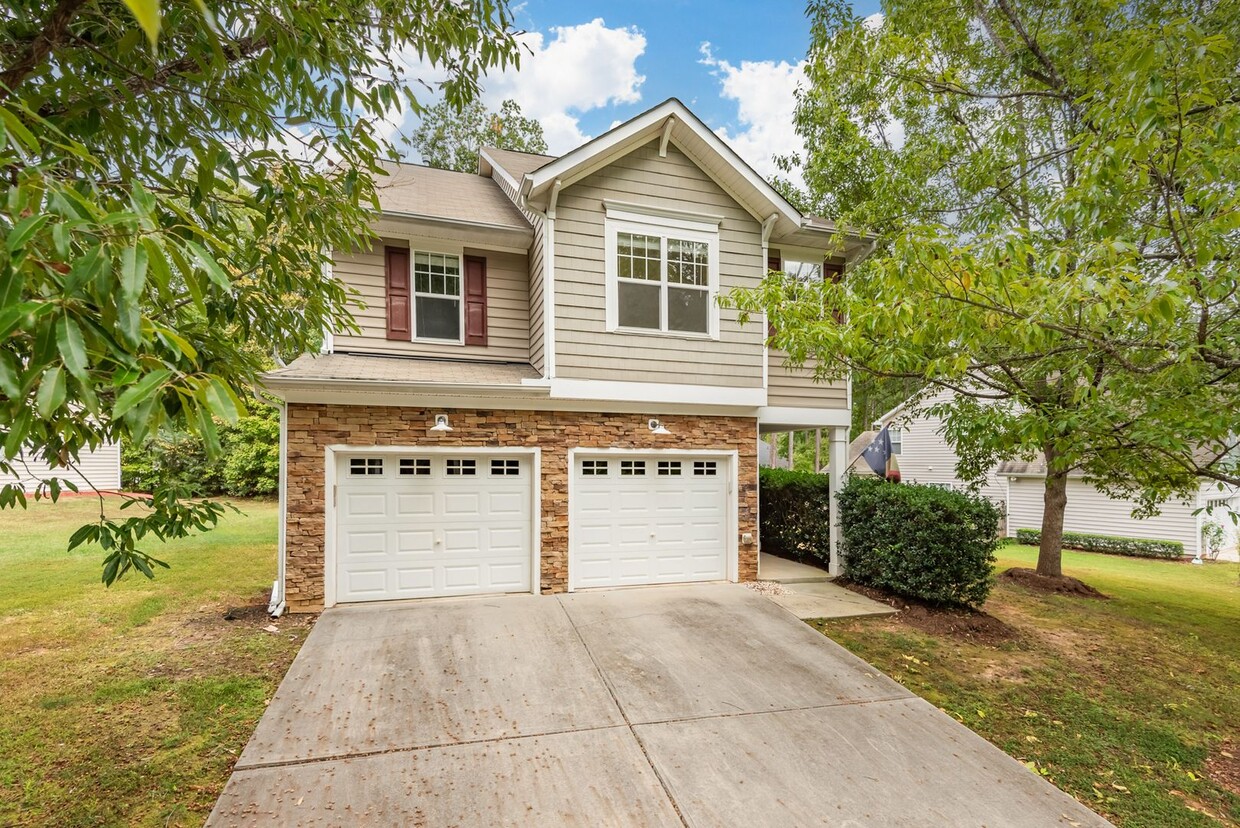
129	705
1118	702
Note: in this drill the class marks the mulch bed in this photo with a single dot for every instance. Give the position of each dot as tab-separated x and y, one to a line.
1056	585
970	625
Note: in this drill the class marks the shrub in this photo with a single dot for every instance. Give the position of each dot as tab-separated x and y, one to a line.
921	542
248	465
1109	544
793	515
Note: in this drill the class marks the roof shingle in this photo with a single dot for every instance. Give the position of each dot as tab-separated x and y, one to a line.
446	195
400	370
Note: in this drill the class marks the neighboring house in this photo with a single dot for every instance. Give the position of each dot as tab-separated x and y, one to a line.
926	457
1093	512
544	394
100	469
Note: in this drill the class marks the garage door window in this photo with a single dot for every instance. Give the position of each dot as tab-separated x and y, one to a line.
704	468
505	468
632	468
457	467
361	466
669	467
418	466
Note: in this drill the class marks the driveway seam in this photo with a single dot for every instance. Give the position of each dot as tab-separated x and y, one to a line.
611	691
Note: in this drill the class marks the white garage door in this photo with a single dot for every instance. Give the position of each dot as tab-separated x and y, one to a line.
648	519
421	525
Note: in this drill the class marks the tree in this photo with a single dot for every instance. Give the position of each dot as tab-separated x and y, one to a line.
171	190
1055	183
449	136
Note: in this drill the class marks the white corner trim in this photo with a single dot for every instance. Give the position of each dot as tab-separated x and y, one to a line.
804	417
667	135
663	216
657	392
277	603
548	258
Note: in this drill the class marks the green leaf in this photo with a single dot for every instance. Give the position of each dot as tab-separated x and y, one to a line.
140	391
221	400
72	346
133	272
51	391
208	262
24	230
146	12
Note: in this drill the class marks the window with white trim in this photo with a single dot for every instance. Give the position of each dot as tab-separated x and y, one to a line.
361	466
420	466
669	468
897	440
594	468
436	296
662	275
456	467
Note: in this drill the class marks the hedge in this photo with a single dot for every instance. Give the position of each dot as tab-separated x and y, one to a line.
1109	544
922	542
793	510
248	465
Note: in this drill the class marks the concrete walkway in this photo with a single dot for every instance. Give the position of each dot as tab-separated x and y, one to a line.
665	706
809	592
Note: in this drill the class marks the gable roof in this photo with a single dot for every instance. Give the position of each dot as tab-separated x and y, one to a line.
671	121
415	191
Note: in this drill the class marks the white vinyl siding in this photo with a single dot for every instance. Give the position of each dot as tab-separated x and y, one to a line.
100	468
927	457
1092	512
584	347
508	308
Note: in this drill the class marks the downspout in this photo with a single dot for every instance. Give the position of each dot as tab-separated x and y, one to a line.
276	606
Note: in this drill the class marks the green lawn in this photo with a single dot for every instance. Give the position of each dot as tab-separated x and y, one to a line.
128	706
1125	703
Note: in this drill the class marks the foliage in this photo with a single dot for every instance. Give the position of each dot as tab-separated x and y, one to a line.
793	515
1055	184
1110	544
921	542
449	137
247	466
169	206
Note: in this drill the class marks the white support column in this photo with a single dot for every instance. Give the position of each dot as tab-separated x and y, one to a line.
837	456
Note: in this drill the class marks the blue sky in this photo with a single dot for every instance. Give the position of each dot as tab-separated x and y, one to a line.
595	64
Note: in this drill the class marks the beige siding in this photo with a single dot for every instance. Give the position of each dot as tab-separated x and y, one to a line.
584	348
927	457
1091	511
507	308
538	353
794	387
100	468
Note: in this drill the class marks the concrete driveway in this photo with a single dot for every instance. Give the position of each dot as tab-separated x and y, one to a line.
699	705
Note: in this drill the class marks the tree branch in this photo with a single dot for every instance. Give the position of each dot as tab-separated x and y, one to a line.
55	31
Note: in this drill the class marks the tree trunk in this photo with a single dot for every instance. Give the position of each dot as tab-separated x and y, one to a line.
1054	500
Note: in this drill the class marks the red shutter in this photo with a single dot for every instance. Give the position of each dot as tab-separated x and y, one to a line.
835	272
475	300
396	271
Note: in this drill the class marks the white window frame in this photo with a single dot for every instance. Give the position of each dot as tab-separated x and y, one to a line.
897	440
416	247
663	224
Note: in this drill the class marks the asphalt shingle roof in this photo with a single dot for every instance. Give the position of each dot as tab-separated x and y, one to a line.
401	370
446	194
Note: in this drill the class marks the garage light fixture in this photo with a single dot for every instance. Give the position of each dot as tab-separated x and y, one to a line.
441	423
657	427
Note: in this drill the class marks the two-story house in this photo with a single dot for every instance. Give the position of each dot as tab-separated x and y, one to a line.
543	393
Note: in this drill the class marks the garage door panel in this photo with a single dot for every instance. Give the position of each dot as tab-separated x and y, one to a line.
420	526
666	525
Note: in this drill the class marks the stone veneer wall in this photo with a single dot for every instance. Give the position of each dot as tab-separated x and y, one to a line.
311	428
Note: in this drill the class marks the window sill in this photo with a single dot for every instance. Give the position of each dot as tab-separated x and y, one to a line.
665	334
426	340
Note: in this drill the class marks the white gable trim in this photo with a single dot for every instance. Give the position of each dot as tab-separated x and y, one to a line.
637	131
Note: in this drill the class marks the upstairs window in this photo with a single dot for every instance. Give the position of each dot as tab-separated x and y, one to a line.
436	296
662	279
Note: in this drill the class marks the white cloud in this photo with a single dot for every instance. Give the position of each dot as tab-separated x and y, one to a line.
874	21
765	95
583	68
